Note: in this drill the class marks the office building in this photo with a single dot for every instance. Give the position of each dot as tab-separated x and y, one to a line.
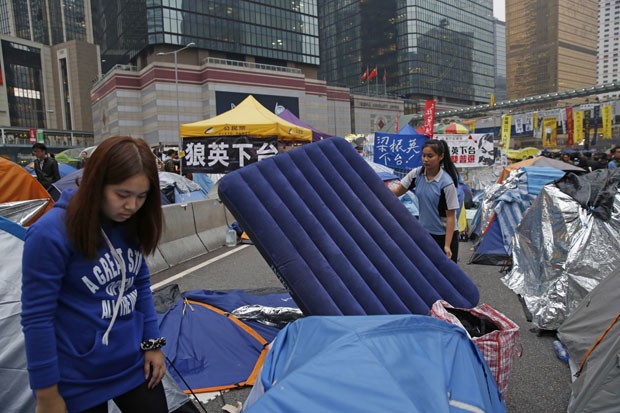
608	67
275	32
551	46
500	60
49	63
177	62
426	49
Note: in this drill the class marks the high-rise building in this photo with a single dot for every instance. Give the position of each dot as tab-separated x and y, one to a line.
550	46
420	50
49	63
500	60
608	67
154	81
276	32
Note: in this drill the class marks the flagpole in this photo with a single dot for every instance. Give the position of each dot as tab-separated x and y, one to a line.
367	82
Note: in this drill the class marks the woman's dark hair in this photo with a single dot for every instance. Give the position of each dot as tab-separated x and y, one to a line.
115	160
440	147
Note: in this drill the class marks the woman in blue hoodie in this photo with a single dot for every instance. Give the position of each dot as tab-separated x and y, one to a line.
87	310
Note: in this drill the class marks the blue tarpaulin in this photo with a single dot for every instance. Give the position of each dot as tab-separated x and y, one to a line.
391	363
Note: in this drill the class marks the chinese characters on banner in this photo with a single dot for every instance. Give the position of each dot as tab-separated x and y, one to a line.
429	117
224	154
405	152
398	151
472	150
505	133
570	139
578	126
607	112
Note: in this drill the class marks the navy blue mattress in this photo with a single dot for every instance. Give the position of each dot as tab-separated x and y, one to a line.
337	238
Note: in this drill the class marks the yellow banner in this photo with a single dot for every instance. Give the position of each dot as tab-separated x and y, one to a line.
506	123
578	126
550	132
607	116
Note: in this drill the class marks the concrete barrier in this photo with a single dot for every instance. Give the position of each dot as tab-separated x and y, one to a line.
156	262
212	220
179	240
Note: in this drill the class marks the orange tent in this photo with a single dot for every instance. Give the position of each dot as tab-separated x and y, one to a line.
539	161
16	184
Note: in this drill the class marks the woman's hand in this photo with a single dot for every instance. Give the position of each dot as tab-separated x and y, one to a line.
154	367
50	401
448	251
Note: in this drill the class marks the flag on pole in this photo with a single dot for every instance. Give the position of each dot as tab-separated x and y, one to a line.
365	74
384	76
373	74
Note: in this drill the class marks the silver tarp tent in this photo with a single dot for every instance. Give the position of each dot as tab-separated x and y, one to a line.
566	244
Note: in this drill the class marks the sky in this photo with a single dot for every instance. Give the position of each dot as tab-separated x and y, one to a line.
499	9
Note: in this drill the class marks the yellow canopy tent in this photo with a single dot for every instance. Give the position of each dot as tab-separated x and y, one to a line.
248	118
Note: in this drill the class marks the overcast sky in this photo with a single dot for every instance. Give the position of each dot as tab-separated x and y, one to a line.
499	9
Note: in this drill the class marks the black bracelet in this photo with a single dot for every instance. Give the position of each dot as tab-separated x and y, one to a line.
153	343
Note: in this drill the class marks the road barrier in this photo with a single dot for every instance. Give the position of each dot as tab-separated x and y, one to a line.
190	230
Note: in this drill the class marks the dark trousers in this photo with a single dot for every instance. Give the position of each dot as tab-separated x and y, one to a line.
139	400
454	245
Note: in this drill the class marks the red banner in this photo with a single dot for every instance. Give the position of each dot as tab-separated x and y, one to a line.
429	117
569	126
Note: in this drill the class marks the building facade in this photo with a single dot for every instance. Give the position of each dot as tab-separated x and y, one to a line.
275	32
608	66
551	46
143	102
500	60
48	65
425	49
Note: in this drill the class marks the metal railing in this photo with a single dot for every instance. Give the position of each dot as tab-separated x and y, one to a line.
128	68
250	65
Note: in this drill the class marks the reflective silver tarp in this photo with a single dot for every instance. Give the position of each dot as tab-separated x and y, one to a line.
560	253
271	316
22	212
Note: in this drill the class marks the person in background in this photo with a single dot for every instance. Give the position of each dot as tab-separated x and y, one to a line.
435	185
566	158
615	160
83	159
170	165
46	167
90	327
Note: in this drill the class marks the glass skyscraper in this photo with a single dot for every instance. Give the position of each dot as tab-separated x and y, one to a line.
271	31
422	49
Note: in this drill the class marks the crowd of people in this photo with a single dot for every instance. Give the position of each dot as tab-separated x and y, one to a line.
590	161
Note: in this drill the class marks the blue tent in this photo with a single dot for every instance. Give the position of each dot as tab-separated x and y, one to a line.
387	363
408	130
212	350
181	188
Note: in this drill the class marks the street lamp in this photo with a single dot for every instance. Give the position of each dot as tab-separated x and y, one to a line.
176	83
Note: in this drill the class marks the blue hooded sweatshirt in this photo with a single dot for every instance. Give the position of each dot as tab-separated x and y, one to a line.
67	306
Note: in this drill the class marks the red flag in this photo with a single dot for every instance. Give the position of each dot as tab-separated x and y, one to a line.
569	126
365	74
373	74
396	128
384	76
429	117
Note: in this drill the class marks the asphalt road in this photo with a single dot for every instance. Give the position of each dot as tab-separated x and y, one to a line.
539	381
